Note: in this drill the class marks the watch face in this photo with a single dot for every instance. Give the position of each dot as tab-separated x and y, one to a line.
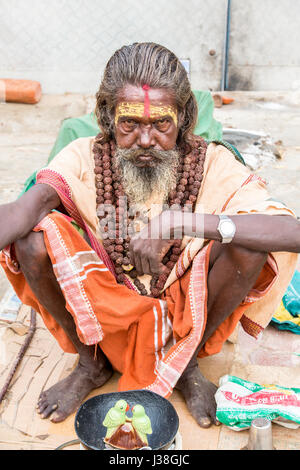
227	228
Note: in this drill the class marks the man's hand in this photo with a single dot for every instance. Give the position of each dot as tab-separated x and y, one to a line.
149	246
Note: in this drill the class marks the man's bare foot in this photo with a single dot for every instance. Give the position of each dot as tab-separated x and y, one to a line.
66	396
199	396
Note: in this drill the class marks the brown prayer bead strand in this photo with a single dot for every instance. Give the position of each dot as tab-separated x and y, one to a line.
133	273
155	292
180	188
107	173
190	174
140	286
171	260
120	212
99	174
153	281
121	278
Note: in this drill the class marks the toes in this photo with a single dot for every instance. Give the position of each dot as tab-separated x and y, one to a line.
41	407
44	408
57	417
203	409
199	395
204	422
205	417
42	397
201	414
47	411
42	401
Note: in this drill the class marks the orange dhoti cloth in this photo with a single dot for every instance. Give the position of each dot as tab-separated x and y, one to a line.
149	341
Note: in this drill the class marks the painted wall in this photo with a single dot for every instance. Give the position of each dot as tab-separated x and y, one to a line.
264	45
65	44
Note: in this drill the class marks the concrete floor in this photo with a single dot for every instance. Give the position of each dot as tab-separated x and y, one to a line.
26	138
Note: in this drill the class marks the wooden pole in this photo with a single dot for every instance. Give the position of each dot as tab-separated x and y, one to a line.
21	353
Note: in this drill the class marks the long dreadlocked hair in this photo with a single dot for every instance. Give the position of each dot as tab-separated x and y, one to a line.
146	63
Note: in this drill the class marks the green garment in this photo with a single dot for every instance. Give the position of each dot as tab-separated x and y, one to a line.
86	126
287	316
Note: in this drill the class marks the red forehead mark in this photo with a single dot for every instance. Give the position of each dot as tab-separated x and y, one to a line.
146	88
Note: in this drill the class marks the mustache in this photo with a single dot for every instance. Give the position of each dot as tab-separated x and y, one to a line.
132	154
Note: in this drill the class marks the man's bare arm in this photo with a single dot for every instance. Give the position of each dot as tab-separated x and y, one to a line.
257	232
18	218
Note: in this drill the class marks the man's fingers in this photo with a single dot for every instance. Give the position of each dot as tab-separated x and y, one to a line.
136	259
138	265
147	257
155	266
145	265
132	253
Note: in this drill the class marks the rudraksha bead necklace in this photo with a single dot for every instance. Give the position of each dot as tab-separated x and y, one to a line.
113	209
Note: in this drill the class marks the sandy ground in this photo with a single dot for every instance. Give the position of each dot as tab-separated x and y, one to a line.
27	134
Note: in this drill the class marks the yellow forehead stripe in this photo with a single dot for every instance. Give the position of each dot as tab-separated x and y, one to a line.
138	110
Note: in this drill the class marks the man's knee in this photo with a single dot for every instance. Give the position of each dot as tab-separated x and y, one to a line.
246	262
31	252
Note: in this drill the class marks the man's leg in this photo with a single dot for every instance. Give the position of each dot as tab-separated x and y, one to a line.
232	273
91	372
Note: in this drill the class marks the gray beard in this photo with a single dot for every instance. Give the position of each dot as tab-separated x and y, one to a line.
140	183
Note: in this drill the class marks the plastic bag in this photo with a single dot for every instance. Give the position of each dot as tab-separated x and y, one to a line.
240	401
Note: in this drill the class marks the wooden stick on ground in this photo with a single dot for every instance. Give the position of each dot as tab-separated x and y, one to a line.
20	354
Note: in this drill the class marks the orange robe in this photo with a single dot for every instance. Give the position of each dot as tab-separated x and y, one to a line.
149	341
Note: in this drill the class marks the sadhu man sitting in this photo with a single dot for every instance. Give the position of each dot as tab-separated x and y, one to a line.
144	247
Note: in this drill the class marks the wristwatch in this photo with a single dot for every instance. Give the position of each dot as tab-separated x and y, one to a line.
226	228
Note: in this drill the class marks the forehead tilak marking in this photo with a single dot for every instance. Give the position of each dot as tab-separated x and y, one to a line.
146	88
137	109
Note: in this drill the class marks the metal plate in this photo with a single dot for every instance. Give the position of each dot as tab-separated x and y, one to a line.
91	414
